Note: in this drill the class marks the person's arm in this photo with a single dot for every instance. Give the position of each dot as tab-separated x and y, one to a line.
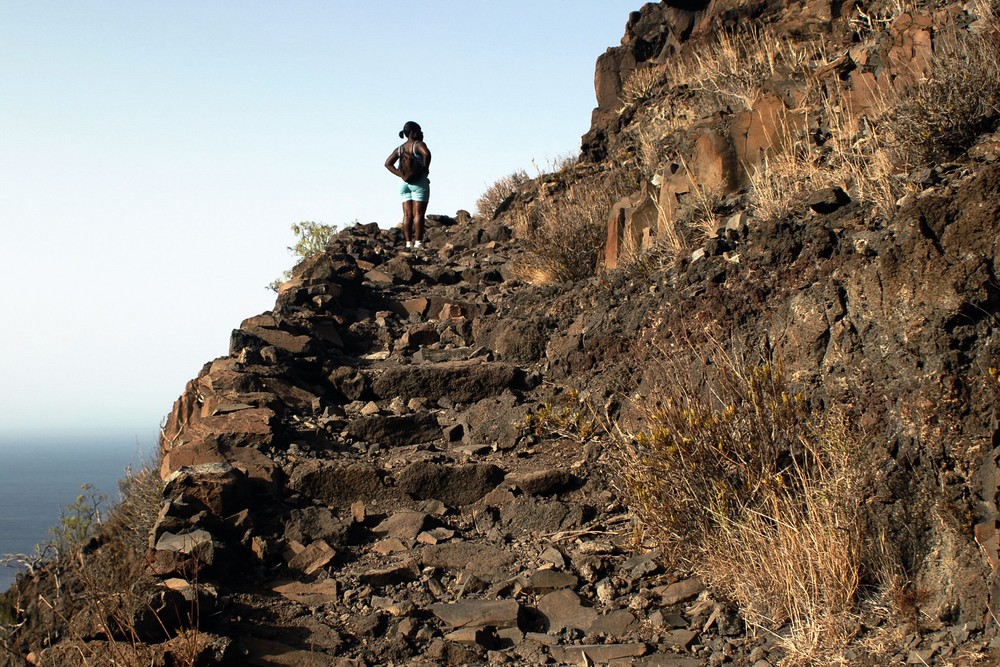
425	153
390	163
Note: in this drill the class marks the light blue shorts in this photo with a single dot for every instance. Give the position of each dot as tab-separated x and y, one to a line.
419	191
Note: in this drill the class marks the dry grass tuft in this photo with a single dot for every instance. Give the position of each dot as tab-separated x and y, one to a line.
534	271
567	416
734	65
564	231
640	84
851	154
496	194
758	496
939	117
798	557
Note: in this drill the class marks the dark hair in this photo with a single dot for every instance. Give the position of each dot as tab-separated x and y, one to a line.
411	130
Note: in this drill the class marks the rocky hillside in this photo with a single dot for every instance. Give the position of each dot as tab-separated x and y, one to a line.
424	458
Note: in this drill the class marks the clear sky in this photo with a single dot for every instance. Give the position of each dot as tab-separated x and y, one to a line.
153	155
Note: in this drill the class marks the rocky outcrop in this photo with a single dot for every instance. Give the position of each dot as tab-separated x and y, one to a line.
365	463
720	153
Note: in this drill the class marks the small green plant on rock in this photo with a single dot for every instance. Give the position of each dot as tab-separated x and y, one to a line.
565	417
79	520
312	238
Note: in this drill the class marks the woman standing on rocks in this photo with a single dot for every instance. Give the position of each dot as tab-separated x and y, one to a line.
416	187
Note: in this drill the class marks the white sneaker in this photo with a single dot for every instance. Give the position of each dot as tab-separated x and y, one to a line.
409	245
417	244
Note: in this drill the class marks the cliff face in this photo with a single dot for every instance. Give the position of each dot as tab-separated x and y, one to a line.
407	460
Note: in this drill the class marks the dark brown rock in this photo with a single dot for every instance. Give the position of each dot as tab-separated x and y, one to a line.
313	558
597	653
460	381
454	485
315	523
478	613
339	483
563	609
396	430
217	488
680	591
391	575
349	382
614	624
487	562
404	525
255	338
544	482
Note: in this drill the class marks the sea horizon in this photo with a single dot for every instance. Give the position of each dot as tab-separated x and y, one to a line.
43	473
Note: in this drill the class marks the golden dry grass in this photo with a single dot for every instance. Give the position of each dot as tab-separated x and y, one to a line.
497	193
734	65
765	501
940	116
853	154
563	231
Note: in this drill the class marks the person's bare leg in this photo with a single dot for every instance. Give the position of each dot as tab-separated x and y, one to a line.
420	208
408	221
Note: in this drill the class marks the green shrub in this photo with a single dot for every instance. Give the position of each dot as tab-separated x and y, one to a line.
312	238
79	520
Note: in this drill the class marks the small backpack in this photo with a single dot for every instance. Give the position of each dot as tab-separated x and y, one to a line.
411	168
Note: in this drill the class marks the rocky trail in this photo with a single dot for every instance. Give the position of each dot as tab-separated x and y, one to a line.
396	506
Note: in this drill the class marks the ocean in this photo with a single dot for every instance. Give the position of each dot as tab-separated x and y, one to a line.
41	475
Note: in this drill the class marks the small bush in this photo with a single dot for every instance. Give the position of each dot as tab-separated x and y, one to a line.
939	117
564	232
639	85
312	238
79	520
702	458
762	499
496	194
565	417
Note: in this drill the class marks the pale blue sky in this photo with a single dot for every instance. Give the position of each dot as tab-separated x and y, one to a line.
154	154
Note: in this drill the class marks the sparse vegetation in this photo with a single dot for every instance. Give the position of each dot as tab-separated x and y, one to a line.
311	238
496	194
780	501
734	65
79	520
565	417
852	155
641	83
940	116
564	231
103	585
825	141
763	499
